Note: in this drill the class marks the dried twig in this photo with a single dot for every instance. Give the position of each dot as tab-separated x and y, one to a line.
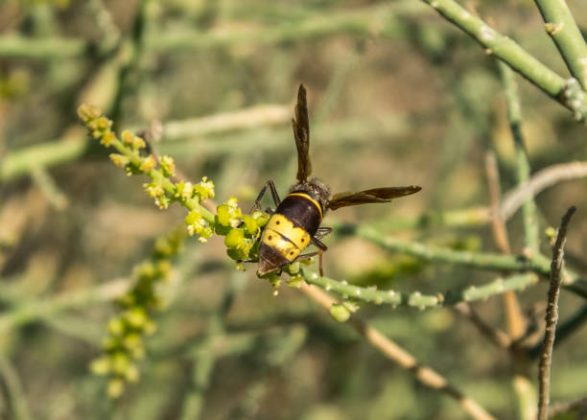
426	375
552	316
541	180
495	335
516	323
579	405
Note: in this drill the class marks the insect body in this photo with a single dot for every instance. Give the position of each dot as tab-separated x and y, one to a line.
295	224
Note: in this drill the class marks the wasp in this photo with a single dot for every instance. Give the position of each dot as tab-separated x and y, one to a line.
295	223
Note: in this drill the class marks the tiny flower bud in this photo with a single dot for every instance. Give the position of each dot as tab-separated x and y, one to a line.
115	388
100	366
127	137
88	112
138	143
115	327
148	164
184	190
107	139
340	312
204	189
119	160
250	223
136	317
234	239
167	166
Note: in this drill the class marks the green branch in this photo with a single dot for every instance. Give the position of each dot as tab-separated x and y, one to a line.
567	93
561	26
14	393
376	21
537	264
529	210
44	155
486	261
42	48
30	311
417	299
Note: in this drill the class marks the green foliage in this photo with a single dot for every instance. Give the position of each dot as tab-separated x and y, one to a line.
397	95
124	347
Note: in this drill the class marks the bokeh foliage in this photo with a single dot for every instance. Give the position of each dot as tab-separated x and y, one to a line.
397	96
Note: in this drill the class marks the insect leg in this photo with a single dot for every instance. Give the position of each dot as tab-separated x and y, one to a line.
321	249
321	246
308	255
274	195
320	261
320	253
322	232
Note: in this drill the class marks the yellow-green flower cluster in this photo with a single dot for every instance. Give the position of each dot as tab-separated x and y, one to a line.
196	222
163	188
129	146
241	231
124	346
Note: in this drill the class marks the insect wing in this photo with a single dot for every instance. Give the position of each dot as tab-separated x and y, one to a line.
301	129
375	195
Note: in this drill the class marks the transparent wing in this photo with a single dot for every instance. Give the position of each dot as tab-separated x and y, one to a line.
375	195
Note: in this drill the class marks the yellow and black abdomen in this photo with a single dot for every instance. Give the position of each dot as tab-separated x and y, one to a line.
289	230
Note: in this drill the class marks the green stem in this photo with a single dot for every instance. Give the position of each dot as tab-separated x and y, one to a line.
561	26
204	355
368	22
537	264
514	56
41	48
25	161
158	176
529	210
376	21
486	261
420	300
46	307
15	393
134	46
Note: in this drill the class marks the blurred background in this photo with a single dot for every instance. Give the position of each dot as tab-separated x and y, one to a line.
397	96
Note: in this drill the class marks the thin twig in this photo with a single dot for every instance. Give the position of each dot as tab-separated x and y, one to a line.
424	374
564	330
514	111
552	316
516	321
558	409
495	335
31	311
204	356
541	180
516	324
500	235
18	405
50	189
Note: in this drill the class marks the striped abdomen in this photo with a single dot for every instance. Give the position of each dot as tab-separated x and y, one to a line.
289	231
